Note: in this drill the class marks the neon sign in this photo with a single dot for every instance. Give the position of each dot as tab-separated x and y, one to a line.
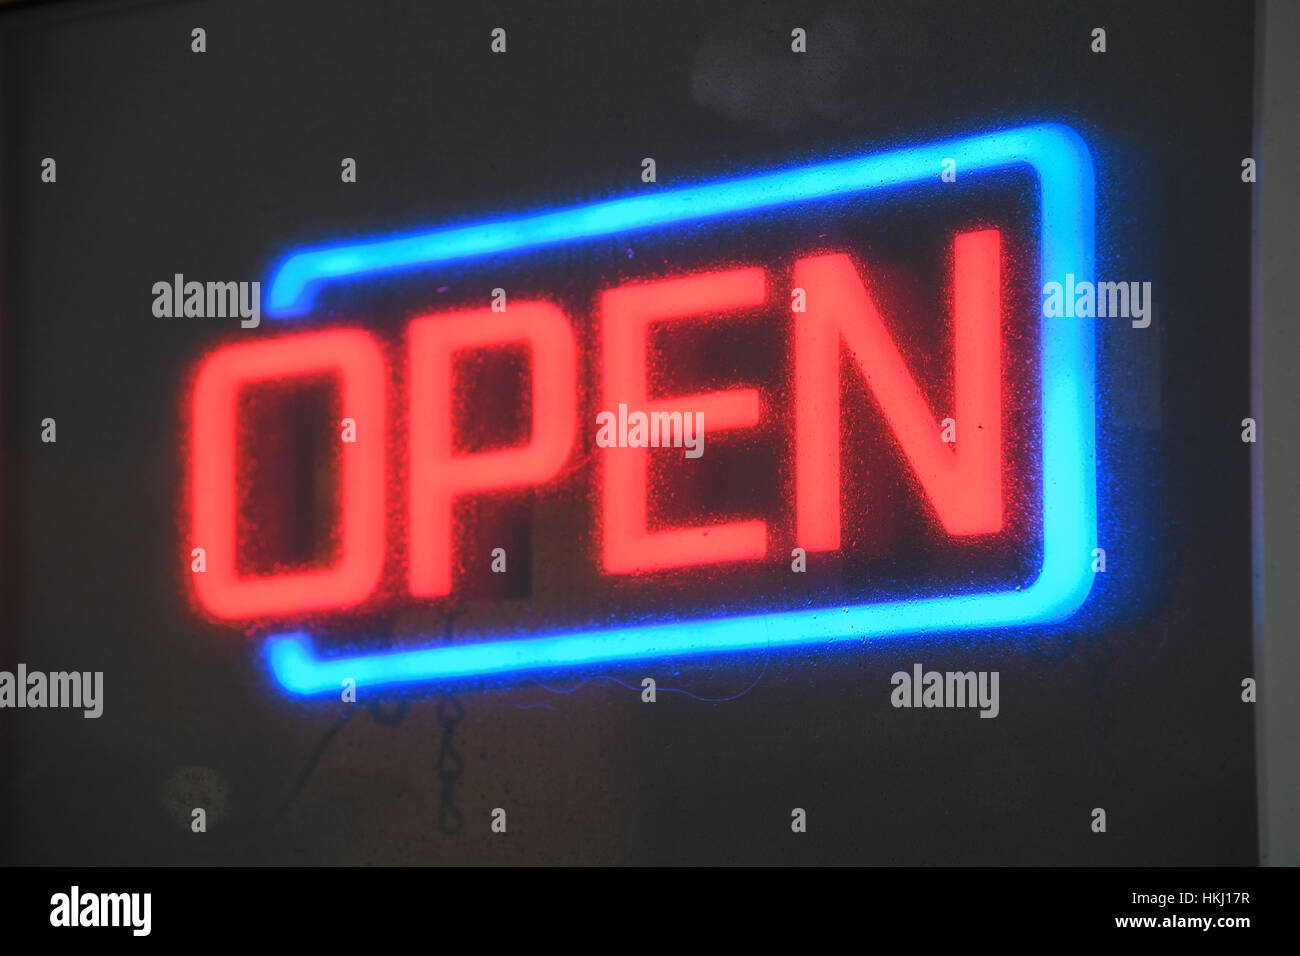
840	332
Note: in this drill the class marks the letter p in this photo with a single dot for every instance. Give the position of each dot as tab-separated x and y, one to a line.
439	474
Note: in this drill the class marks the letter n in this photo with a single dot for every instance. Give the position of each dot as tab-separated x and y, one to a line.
962	480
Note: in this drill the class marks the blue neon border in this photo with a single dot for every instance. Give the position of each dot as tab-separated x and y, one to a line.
1063	164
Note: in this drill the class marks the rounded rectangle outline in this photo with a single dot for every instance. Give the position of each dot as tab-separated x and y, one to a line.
1063	164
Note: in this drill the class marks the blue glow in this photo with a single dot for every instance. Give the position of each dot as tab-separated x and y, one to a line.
1064	168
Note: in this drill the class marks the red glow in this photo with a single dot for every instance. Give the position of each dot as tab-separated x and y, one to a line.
354	358
440	474
963	481
627	312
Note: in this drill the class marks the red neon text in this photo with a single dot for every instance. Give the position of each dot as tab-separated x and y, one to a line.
961	481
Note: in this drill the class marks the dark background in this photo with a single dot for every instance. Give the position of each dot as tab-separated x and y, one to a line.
213	165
